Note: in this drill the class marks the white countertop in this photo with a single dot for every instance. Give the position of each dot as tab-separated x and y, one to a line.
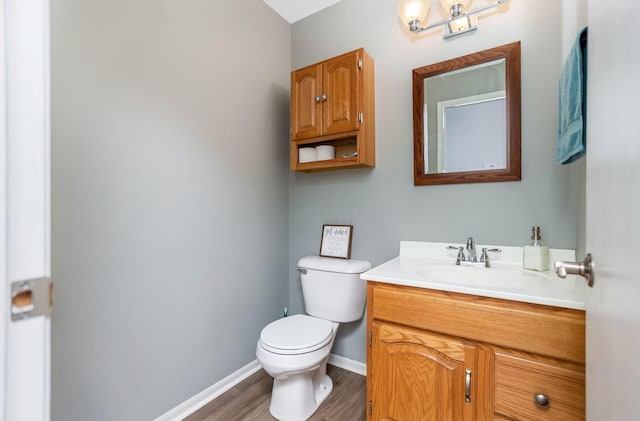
417	260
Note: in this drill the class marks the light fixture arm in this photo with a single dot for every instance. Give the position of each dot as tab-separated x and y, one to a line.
414	25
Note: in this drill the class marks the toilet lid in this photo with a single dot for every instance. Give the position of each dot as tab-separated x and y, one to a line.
296	334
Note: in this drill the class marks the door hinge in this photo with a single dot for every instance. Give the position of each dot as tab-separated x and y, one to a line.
360	117
31	298
370	408
360	63
371	338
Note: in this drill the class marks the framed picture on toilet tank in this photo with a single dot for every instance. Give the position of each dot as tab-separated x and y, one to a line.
336	241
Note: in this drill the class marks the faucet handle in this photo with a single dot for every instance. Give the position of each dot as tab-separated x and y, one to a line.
484	257
461	257
484	249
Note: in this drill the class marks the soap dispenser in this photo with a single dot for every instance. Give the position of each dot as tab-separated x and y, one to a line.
535	255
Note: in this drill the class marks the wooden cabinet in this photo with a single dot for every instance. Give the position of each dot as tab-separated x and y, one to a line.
425	369
436	355
332	103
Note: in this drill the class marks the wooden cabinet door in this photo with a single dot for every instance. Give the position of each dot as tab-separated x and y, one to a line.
420	376
306	105
341	85
325	98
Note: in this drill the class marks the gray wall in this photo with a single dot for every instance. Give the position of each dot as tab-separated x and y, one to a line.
382	203
170	172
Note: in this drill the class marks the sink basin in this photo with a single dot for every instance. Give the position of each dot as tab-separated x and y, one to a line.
475	274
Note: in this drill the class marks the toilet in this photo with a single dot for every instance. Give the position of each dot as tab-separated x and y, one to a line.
294	350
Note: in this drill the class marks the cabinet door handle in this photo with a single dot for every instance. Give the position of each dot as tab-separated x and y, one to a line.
323	97
467	386
316	99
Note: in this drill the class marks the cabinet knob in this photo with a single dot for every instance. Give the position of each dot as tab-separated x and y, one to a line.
323	97
316	99
541	400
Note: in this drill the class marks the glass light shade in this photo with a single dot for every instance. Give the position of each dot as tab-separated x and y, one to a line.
446	4
411	10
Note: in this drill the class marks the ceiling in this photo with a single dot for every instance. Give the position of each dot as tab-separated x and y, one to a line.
294	10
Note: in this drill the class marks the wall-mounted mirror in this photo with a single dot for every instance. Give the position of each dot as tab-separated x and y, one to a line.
466	118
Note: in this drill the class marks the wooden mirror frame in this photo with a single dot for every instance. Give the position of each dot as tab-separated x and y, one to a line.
511	54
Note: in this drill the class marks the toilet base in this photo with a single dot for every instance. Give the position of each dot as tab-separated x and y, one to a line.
297	397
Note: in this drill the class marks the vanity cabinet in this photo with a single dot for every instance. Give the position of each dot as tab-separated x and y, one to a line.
332	103
436	355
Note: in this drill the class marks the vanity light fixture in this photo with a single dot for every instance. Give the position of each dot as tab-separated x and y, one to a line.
413	13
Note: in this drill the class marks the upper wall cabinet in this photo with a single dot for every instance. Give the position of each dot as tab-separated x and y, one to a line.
333	115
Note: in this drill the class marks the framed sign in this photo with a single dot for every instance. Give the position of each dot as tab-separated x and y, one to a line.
336	241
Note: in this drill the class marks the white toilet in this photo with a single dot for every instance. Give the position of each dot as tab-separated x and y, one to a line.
294	350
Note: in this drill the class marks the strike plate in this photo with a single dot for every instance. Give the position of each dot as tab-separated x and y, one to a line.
31	298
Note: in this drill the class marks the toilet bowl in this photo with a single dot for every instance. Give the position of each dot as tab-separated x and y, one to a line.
294	350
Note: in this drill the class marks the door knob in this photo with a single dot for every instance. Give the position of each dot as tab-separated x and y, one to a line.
584	269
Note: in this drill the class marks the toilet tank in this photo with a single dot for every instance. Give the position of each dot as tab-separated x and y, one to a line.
332	288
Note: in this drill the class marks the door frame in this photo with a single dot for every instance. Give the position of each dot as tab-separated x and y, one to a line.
25	204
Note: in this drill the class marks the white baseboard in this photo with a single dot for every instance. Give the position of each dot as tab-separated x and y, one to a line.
347	364
196	402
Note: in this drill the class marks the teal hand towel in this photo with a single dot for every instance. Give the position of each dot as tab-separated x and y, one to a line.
572	104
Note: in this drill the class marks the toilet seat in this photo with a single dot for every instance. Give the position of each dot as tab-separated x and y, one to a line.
296	334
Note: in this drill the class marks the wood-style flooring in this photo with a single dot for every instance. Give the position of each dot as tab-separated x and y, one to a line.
249	400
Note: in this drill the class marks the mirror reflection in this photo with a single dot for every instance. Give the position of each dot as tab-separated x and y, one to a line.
465	124
467	118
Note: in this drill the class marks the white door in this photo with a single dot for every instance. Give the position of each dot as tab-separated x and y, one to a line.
24	208
613	211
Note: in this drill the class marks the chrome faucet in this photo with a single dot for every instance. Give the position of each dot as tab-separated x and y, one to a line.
471	250
472	256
